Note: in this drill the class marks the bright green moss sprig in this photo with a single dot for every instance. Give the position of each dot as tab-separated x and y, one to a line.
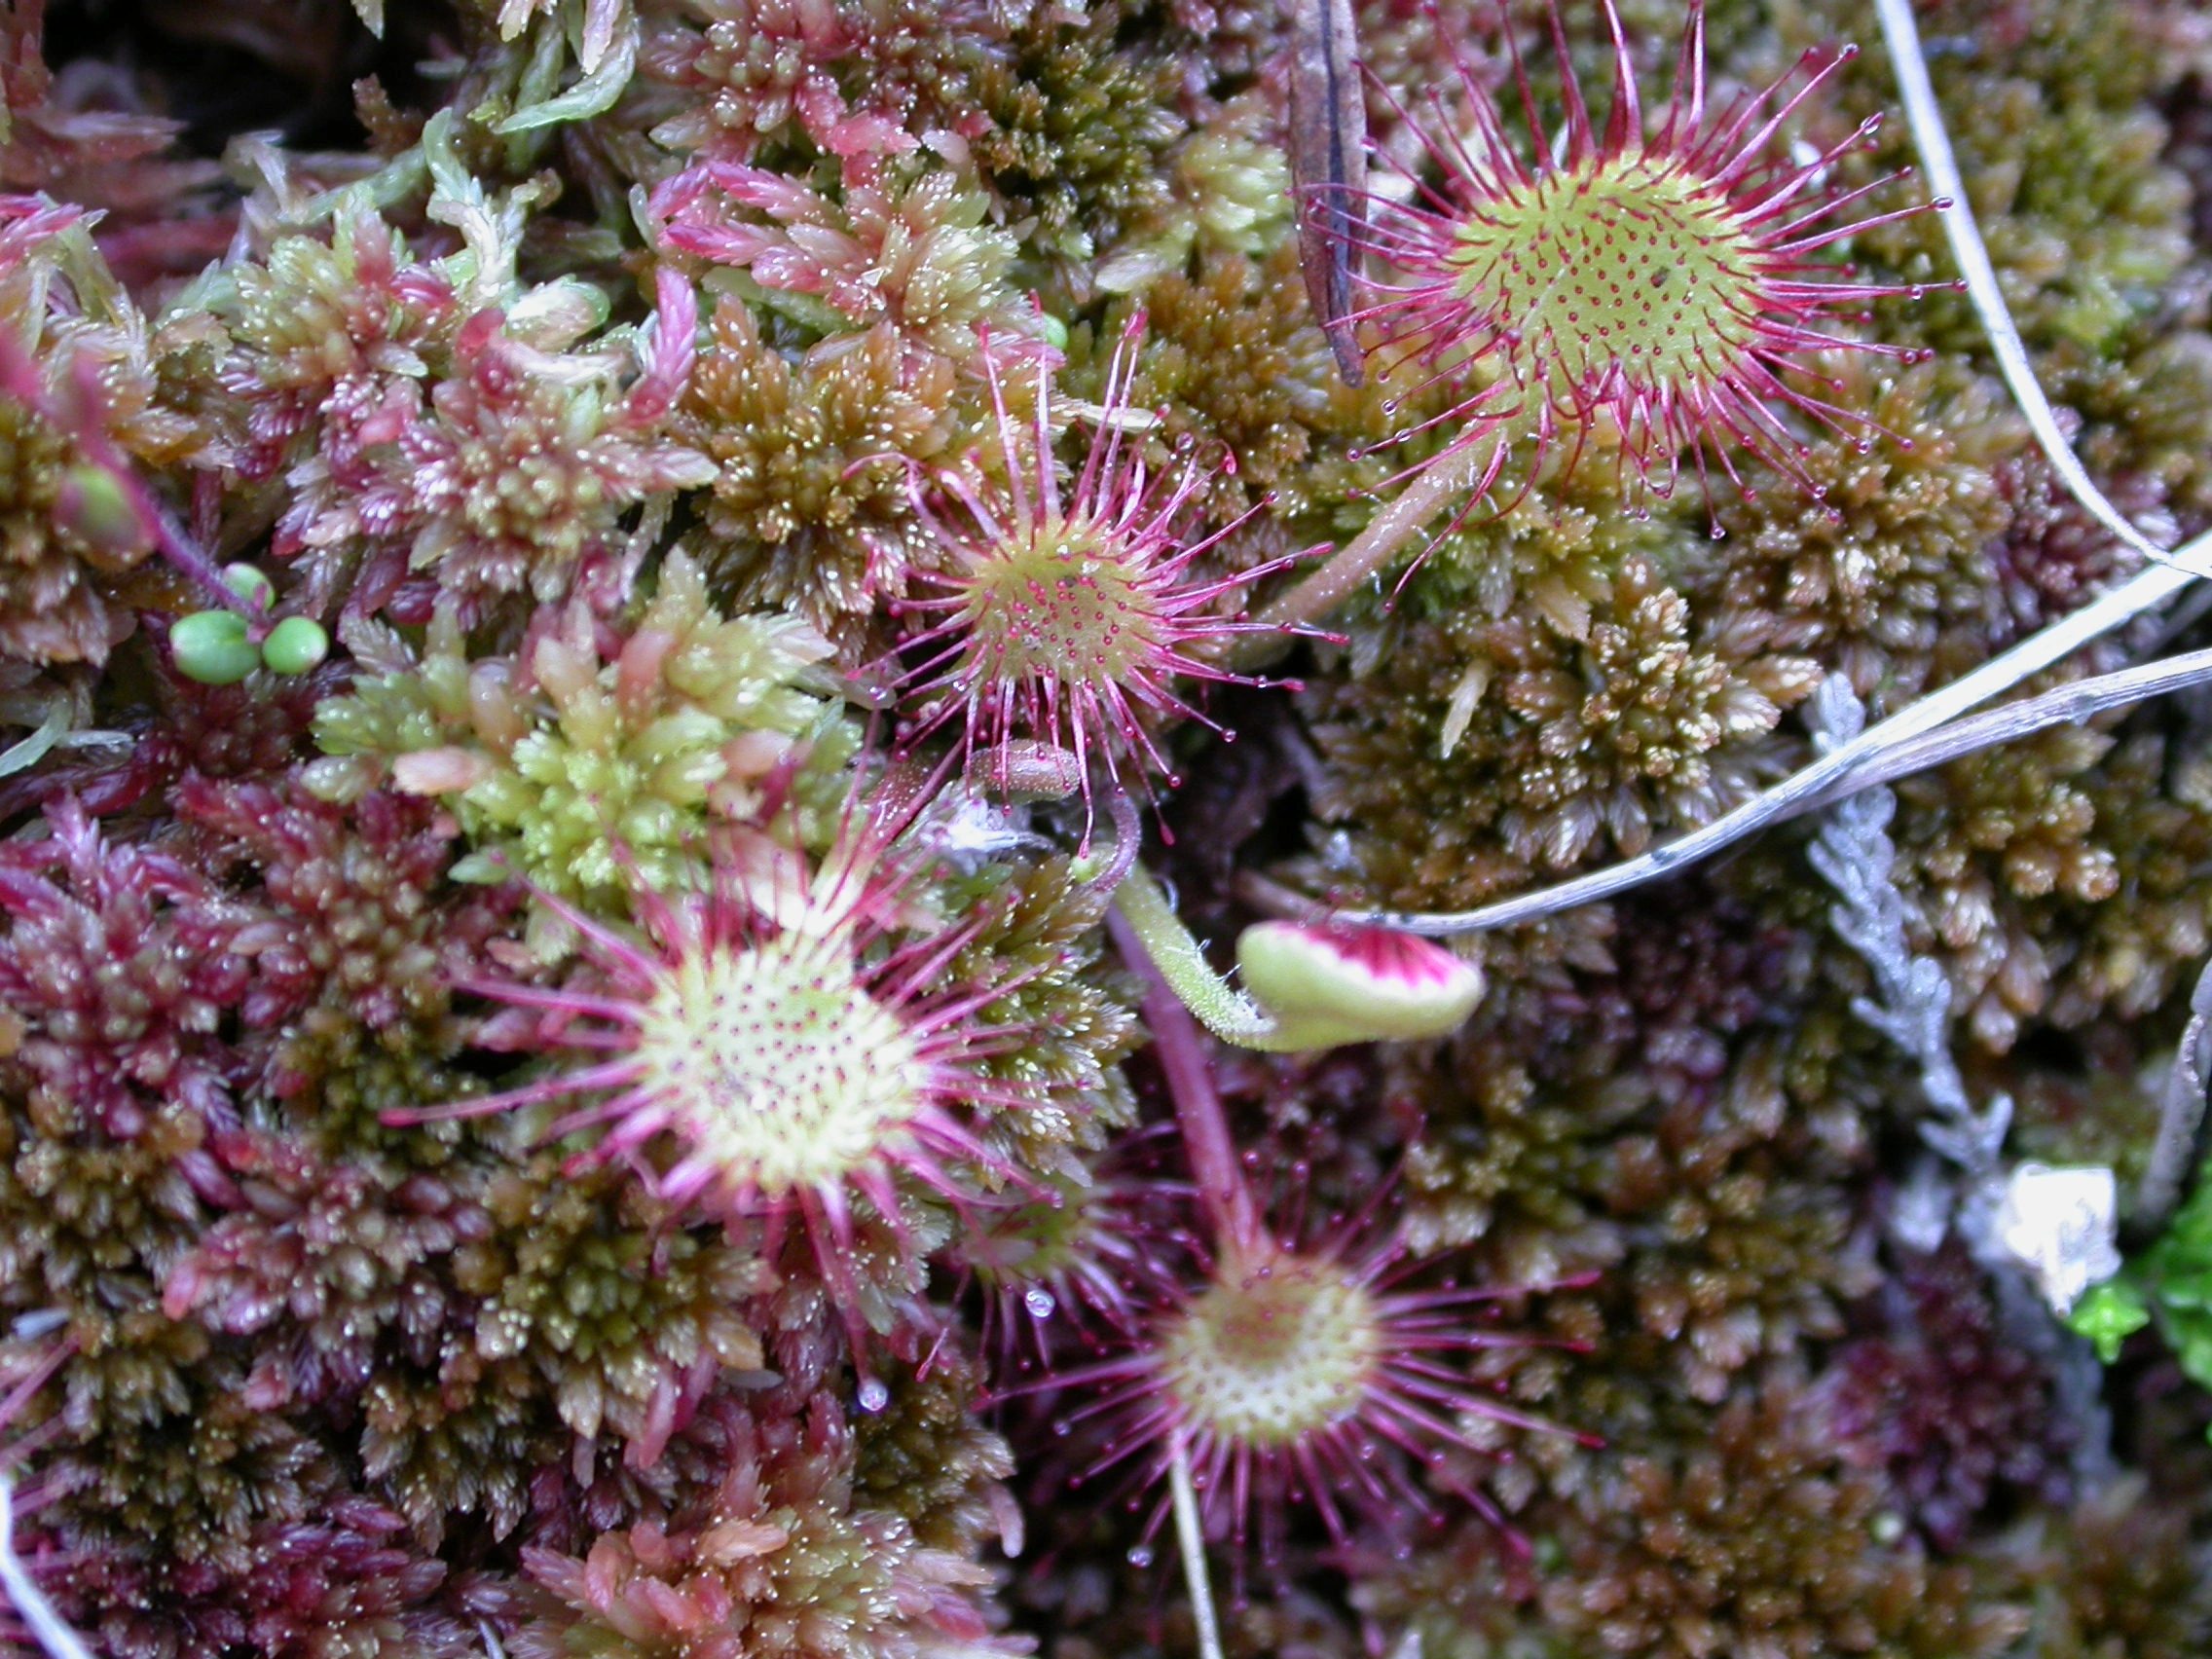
563	764
2169	1284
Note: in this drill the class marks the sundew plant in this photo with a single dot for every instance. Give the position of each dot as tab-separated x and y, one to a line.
949	829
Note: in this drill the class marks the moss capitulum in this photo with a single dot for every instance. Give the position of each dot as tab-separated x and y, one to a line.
1060	606
776	1063
1622	265
1273	1350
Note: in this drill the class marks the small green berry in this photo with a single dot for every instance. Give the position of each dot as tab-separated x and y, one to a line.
212	647
249	584
295	645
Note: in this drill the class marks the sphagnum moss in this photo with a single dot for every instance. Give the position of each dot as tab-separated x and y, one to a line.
496	1153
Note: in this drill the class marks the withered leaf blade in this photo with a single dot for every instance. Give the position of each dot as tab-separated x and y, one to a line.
1328	165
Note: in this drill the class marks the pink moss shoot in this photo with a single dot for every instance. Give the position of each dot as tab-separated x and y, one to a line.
1660	286
1070	616
779	1045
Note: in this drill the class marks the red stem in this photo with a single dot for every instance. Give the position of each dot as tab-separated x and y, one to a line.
1215	1167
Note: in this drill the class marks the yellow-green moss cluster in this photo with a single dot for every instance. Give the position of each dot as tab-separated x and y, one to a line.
572	765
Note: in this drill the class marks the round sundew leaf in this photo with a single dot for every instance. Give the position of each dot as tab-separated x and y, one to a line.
1628	266
212	647
1275	1352
249	584
1066	606
1071	612
1663	286
295	645
777	1065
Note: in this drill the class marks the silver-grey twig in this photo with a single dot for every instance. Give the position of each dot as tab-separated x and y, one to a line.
1912	1002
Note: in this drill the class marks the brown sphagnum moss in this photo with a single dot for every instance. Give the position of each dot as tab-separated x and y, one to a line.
810	507
1542	736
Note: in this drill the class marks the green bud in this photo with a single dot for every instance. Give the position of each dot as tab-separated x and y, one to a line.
295	645
249	584
558	315
212	647
93	506
1054	331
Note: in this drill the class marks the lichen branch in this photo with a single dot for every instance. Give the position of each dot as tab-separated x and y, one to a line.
1912	1002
